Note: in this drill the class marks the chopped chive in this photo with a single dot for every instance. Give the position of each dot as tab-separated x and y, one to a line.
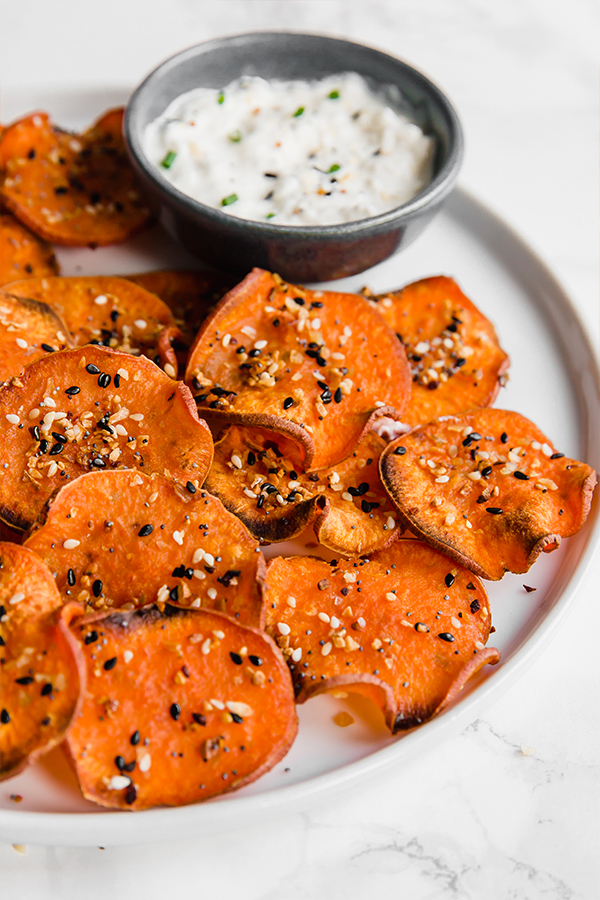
298	112
221	97
235	137
334	95
269	215
332	168
169	159
227	201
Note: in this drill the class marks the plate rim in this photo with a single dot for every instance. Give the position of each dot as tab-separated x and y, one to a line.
82	829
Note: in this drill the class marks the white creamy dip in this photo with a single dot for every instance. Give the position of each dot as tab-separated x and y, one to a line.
293	153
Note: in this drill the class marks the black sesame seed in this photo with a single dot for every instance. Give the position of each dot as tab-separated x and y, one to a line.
71	577
110	663
130	794
26	679
521	476
4	717
117	380
90	637
48	348
191	487
255	660
236	718
449	579
46	689
338	395
119	763
134	739
400	451
557	456
130	766
289	401
97	587
504	437
236	658
299	300
71	391
251	459
104	379
175	711
486	471
365	506
494	510
56	449
446	636
145	530
98	462
92	369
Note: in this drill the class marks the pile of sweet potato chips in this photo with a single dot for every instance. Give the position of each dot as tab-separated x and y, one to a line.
155	433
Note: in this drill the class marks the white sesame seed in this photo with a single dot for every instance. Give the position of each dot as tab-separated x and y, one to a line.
335	623
547	450
212	593
239	708
218	704
123	373
33	414
196	604
379	403
48	401
297	654
448	344
442	479
283	628
326	648
13	419
169	370
291	601
260	345
199	574
535	445
206	646
16	598
209	559
21	343
361	622
466	431
456	622
250	493
127	656
140	323
137	417
100	300
316	324
323	617
347	496
52	469
479	645
226	339
119	783
390	522
145	763
422	347
71	543
474	476
391	597
236	461
198	556
450	519
120	429
178	537
248	330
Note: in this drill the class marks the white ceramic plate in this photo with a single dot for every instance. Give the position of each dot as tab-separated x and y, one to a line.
553	380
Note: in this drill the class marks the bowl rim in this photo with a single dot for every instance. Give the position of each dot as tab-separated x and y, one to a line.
431	194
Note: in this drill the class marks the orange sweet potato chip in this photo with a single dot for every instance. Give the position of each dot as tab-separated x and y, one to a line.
123	538
181	705
488	489
71	189
405	626
456	361
28	330
108	311
190	295
318	367
257	475
42	664
93	408
22	254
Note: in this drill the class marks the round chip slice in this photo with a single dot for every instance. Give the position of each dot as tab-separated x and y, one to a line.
181	705
456	361
71	189
405	627
124	538
42	665
488	489
28	330
93	408
258	476
317	366
22	254
108	311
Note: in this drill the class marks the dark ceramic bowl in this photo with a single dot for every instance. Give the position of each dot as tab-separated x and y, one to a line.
297	253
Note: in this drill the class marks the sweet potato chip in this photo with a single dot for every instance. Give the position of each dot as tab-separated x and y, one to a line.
488	489
190	295
42	664
405	626
319	367
108	311
93	408
181	705
257	475
22	254
28	330
71	189
116	538
456	361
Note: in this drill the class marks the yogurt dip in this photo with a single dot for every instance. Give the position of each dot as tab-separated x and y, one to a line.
291	153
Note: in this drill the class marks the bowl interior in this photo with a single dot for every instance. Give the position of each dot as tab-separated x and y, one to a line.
288	56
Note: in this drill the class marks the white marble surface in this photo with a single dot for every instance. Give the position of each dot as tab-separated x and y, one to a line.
475	817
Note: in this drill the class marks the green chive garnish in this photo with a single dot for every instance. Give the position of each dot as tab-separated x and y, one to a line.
298	112
235	136
334	95
221	97
227	201
332	168
169	159
269	215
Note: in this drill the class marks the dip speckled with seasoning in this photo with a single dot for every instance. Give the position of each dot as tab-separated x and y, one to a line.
294	153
